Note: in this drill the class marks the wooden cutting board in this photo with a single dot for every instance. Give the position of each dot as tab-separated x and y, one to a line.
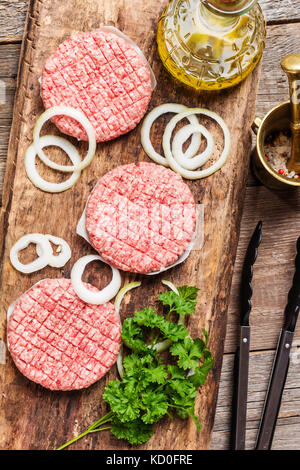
32	417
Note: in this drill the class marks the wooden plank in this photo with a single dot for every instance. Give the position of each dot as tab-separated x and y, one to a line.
12	17
9	58
25	209
13	12
277	11
284	438
281	40
288	423
274	268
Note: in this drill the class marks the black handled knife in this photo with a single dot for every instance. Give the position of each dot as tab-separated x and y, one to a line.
280	364
241	360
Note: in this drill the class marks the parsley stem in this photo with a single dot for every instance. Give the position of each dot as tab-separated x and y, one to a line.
103	420
85	433
101	429
178	407
93	428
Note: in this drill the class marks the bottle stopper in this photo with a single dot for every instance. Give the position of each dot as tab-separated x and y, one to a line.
291	66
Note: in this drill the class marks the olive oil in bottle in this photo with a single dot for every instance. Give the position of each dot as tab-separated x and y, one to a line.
211	44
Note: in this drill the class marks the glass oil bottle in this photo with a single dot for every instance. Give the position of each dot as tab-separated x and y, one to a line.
211	44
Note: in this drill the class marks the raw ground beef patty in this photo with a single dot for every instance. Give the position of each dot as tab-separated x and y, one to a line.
59	341
101	74
141	218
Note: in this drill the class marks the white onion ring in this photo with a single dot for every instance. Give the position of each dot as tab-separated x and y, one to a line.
170	285
181	136
34	176
41	262
81	118
122	292
191	174
146	129
88	296
60	260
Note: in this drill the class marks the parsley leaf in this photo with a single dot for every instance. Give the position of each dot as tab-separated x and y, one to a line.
133	336
144	370
176	372
189	293
182	392
149	318
135	364
123	400
156	374
189	352
155	404
136	432
200	373
184	303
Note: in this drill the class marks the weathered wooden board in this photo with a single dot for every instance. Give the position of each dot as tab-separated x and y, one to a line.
13	12
274	267
48	419
286	435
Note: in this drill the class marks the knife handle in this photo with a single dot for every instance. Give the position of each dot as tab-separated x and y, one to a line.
292	308
240	391
275	391
247	274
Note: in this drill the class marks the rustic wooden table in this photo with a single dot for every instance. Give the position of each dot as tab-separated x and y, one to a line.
281	227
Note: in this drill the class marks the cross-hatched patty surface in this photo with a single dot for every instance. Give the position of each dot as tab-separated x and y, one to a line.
141	218
101	74
59	341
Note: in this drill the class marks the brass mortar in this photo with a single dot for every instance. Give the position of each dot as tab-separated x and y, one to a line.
278	119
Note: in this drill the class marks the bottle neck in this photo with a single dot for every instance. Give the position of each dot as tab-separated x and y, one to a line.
216	21
229	7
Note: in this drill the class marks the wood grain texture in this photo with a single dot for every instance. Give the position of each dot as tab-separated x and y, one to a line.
281	40
288	424
274	268
13	12
12	17
281	11
25	209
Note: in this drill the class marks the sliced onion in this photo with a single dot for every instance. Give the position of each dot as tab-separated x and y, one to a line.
146	129
41	262
182	136
170	285
122	292
78	116
120	362
34	176
162	346
88	296
64	251
118	301
193	174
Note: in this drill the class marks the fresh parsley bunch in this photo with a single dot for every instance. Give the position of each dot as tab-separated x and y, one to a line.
151	388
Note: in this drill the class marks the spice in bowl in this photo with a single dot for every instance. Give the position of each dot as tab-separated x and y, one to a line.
278	151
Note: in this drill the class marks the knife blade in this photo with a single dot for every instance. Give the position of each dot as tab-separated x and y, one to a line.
241	360
280	364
